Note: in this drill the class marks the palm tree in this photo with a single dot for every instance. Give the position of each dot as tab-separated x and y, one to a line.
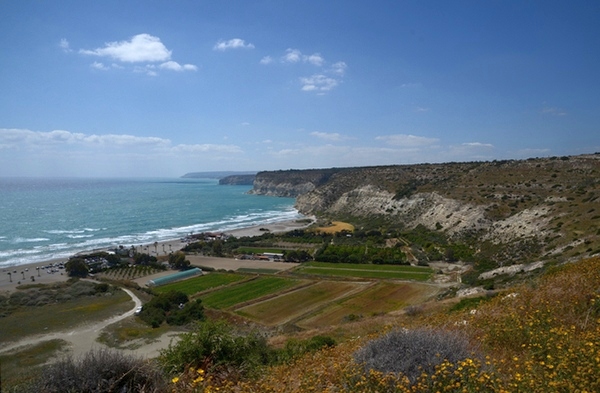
10	276
155	247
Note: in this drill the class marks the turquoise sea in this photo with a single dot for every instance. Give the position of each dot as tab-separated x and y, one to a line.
44	219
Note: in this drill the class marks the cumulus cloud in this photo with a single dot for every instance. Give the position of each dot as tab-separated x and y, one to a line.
339	68
99	66
141	48
295	56
291	56
175	66
407	140
266	60
318	82
64	45
234	43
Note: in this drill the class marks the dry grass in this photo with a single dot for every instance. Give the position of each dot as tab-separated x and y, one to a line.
335	227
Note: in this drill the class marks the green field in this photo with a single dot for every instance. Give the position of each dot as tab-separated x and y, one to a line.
246	291
399	272
356	266
201	283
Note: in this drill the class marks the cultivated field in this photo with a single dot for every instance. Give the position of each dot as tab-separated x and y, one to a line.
377	298
246	291
202	283
366	271
294	304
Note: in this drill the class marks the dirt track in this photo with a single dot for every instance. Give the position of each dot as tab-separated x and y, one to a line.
83	338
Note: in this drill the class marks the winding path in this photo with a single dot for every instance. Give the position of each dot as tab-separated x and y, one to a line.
82	338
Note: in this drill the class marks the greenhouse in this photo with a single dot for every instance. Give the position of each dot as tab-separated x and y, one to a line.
174	277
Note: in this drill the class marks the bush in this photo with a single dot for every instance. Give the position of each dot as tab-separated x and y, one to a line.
215	345
98	371
412	352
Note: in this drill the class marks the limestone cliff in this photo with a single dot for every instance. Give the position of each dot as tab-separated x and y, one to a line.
544	204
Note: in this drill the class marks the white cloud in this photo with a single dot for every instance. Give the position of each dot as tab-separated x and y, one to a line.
339	68
175	66
291	56
318	82
315	59
478	144
99	66
204	148
295	56
266	60
64	45
234	43
141	48
407	140
327	136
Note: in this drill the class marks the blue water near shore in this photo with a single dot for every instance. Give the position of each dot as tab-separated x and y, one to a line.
44	219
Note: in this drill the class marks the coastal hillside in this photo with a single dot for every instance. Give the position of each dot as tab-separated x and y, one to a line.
509	212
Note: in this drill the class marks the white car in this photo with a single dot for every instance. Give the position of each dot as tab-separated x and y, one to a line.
138	310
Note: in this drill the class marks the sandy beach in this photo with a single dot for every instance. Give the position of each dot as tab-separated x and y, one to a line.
47	272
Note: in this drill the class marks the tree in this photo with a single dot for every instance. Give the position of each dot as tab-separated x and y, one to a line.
178	261
76	267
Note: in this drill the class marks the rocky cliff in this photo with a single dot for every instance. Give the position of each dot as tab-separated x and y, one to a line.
238	180
291	183
537	205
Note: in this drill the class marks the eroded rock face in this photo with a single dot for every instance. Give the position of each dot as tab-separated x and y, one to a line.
531	207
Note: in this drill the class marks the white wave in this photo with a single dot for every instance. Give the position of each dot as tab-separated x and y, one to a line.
88	242
71	231
30	240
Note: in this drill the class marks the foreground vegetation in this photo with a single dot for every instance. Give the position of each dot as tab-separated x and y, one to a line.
541	336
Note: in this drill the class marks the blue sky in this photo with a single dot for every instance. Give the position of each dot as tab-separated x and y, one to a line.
162	88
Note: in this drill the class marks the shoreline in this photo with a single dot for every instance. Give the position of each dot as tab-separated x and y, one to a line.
22	274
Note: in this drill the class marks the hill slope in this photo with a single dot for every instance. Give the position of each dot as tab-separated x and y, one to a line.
511	211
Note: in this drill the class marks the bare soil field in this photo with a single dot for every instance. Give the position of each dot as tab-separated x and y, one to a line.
235	264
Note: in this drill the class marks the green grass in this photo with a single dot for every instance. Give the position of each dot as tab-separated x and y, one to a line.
258	270
365	274
246	291
355	266
28	320
201	283
398	272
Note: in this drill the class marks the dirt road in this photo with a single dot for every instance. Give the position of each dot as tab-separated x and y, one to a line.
83	338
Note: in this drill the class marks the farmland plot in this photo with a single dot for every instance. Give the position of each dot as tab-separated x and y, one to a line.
246	291
294	304
382	297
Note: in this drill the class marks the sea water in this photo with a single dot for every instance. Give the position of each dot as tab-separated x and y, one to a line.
43	219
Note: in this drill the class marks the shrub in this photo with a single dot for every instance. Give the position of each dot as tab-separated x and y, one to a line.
215	345
98	371
412	352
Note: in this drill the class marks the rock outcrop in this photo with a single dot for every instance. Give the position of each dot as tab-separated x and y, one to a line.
536	205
